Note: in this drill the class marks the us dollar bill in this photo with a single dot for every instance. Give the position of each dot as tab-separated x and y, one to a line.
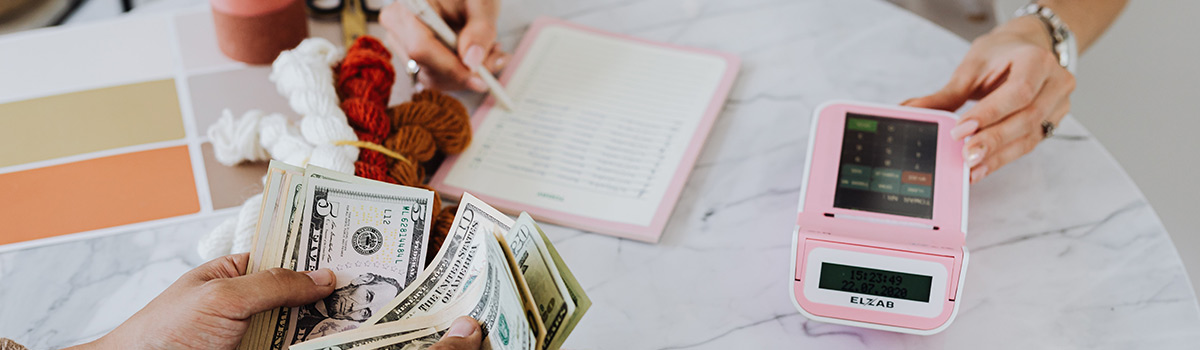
418	340
456	266
471	258
273	184
376	334
372	237
264	253
532	257
574	290
492	299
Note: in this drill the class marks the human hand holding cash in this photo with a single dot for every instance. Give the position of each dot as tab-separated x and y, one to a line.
500	272
209	308
338	262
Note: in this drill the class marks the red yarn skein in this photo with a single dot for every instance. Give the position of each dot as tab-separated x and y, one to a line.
364	81
367	116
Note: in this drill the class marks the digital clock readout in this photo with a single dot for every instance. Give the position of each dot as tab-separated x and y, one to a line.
875	282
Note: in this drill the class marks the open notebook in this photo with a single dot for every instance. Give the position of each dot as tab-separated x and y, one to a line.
604	132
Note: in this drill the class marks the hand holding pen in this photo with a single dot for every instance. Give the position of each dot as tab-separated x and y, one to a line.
443	67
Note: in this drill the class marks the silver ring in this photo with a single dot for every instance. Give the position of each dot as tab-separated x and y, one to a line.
1047	129
413	69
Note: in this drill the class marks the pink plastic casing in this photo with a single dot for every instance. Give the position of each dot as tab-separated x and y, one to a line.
885	234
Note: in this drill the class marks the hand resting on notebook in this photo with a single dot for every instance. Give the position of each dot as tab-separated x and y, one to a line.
441	67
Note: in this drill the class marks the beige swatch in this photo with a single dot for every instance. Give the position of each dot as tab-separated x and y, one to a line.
88	121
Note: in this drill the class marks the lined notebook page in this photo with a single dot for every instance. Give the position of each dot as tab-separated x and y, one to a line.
599	127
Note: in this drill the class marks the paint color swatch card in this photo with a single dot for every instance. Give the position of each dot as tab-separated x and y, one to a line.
103	125
604	131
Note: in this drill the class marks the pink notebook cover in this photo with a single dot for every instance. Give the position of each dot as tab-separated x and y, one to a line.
650	233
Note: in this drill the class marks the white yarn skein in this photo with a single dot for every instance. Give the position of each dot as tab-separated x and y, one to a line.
304	76
217	243
234	235
335	158
236	141
247	219
284	140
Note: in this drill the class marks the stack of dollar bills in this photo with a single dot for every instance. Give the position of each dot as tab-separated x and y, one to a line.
373	235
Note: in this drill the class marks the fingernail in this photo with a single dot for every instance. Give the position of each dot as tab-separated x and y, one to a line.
965	129
474	56
322	277
477	84
974	155
500	63
978	174
461	328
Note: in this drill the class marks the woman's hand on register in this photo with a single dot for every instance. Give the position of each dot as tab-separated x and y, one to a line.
1018	83
441	67
1022	89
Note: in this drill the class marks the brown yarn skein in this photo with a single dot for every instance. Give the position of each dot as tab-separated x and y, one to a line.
442	100
432	122
452	134
413	142
416	113
437	200
407	173
442	223
451	131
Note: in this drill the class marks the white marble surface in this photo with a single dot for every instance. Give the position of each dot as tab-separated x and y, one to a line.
1065	252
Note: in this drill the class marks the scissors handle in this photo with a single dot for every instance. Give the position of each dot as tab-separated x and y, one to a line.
332	8
354	21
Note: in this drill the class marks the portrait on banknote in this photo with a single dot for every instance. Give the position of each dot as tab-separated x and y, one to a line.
347	307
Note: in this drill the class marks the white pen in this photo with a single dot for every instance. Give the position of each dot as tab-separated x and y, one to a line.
439	27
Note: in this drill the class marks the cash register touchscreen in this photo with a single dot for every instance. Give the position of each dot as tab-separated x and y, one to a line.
879	234
887	166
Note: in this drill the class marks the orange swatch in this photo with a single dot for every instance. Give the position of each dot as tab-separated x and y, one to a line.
96	193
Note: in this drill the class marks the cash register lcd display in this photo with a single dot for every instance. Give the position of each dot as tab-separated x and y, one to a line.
863	280
887	166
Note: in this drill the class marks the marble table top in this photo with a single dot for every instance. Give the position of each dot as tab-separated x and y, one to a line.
1065	251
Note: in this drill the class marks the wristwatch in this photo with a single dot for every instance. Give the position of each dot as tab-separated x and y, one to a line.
1063	40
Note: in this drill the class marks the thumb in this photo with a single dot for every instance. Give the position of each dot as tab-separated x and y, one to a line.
464	334
950	97
478	35
264	290
944	99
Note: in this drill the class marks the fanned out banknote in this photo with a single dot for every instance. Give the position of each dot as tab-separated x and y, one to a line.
371	234
559	297
505	274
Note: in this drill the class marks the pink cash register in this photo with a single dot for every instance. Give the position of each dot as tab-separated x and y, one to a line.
879	237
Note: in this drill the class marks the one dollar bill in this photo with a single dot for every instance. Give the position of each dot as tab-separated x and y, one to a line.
543	275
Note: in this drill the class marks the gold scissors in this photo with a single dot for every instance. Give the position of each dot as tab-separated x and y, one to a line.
354	15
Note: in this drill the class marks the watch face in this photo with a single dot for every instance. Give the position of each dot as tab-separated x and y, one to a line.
1063	45
1067	51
